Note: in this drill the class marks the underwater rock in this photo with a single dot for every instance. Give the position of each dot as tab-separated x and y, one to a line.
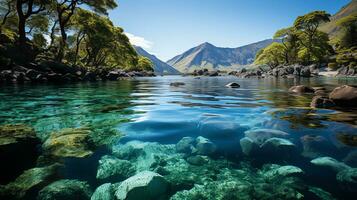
185	145
321	194
18	150
233	85
69	143
348	179
301	89
347	139
114	168
287	170
104	192
197	160
315	146
344	96
277	146
66	189
30	181
321	102
204	146
351	159
144	185
259	136
248	146
177	84
330	163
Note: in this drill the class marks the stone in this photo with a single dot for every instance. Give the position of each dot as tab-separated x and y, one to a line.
321	102
233	85
30	181
185	145
330	163
113	75
248	146
18	150
66	189
177	84
114	168
104	192
144	185
301	89
344	96
204	146
197	160
69	143
316	146
288	170
260	135
305	72
277	147
348	179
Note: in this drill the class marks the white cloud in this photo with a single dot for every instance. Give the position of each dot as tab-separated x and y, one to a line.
139	41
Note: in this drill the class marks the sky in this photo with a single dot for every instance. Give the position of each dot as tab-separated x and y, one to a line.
167	28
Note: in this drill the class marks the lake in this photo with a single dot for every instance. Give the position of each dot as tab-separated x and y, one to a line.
289	149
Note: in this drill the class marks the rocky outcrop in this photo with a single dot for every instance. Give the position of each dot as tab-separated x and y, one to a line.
344	96
112	168
347	71
66	189
144	185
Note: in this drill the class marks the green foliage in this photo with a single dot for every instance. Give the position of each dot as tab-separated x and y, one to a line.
349	31
333	66
272	55
145	64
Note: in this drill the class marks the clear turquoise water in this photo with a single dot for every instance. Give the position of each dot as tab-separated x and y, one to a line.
149	109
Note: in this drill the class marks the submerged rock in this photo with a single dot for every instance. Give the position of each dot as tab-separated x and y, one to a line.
248	146
316	146
185	145
287	170
301	89
197	160
321	102
69	143
348	179
204	146
233	85
18	150
344	96
144	185
351	158
177	84
30	181
104	192
330	163
259	136
114	168
66	189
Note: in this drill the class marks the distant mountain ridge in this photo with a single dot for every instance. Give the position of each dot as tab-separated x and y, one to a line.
160	67
211	57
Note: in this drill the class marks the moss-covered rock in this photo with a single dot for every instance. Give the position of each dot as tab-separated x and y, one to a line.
112	168
66	189
69	143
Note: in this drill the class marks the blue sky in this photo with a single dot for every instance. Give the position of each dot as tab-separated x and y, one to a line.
167	28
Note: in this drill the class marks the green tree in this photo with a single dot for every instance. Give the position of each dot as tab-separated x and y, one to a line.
145	64
290	40
349	27
272	55
309	35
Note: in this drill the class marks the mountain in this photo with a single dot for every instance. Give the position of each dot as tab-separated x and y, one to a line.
330	27
160	67
211	57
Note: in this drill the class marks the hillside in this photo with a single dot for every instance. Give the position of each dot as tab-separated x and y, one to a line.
160	67
211	57
331	27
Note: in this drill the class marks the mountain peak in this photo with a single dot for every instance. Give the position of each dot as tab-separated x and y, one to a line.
206	44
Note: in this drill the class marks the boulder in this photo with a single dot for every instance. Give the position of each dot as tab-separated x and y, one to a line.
113	75
288	170
204	146
30	181
277	147
66	189
259	136
104	192
197	160
213	73
330	163
344	96
177	84
248	146
144	185
321	102
301	89
185	145
69	143
348	179
113	168
233	85
18	150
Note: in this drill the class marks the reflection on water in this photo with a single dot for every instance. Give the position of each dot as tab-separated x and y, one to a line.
150	110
